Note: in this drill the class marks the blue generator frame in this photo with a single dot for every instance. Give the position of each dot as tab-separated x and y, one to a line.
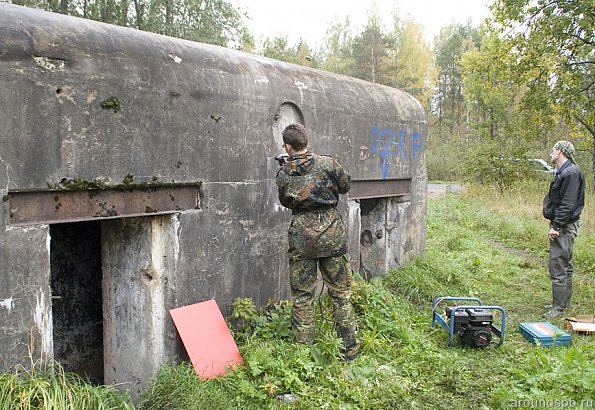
444	323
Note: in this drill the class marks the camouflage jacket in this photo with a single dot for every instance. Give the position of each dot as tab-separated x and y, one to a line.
310	185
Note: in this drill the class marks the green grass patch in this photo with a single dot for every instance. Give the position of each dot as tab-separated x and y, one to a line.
486	244
490	245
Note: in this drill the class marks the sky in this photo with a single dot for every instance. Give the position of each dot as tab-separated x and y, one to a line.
309	19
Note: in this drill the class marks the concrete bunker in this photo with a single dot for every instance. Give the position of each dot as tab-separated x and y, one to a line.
107	280
154	155
107	274
379	236
379	207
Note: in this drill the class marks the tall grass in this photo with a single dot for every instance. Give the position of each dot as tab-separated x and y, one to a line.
482	243
520	209
51	388
486	244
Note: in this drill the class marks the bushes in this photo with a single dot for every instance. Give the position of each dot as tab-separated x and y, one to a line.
491	164
443	160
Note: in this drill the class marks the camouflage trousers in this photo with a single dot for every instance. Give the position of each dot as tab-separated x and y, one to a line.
336	274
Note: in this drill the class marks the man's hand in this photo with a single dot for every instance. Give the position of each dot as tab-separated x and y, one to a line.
281	159
553	234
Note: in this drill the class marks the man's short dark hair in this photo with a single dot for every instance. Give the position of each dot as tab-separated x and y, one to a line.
296	136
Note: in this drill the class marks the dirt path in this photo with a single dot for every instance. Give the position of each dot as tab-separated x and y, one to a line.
528	258
435	190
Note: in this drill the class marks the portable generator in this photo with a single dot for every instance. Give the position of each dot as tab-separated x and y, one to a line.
473	324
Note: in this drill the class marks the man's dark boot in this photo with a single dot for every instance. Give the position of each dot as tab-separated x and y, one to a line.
559	298
568	299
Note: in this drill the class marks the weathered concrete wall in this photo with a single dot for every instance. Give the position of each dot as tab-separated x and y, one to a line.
140	257
104	123
25	296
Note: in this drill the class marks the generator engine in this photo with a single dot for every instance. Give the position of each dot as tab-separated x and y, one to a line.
473	325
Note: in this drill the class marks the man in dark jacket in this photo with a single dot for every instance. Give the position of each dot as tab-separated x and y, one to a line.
310	185
563	206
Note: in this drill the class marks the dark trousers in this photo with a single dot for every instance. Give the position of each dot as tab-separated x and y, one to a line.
336	274
560	265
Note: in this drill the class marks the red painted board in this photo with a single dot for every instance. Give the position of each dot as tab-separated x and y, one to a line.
207	339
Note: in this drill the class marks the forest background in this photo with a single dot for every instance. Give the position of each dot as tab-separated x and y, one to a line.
496	94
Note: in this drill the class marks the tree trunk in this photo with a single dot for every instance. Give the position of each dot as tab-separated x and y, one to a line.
373	65
138	9
168	17
593	168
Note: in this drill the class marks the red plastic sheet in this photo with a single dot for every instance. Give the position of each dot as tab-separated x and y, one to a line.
207	339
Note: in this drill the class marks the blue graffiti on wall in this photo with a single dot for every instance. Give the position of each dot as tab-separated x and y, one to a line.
382	142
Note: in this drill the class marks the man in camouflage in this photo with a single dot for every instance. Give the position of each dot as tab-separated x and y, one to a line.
310	185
